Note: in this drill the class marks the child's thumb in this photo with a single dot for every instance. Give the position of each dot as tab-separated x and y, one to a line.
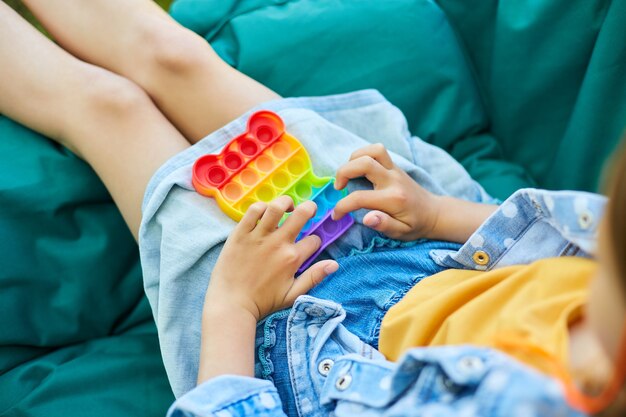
310	278
384	223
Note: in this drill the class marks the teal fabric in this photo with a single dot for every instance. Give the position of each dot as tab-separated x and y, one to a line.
522	93
553	78
76	332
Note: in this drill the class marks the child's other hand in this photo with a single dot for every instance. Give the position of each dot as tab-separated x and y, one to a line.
400	208
256	268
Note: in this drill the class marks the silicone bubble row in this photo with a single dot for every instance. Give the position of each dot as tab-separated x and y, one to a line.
255	144
328	231
330	228
265	180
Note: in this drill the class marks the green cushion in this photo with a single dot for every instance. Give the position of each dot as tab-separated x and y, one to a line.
553	77
522	95
77	332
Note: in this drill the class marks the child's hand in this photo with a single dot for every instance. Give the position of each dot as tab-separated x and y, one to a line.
256	268
401	209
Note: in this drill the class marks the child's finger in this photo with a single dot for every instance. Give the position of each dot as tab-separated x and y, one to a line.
274	212
384	223
252	216
364	166
306	247
309	279
296	221
376	151
369	199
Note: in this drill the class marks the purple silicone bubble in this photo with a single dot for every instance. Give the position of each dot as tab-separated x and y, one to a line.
328	230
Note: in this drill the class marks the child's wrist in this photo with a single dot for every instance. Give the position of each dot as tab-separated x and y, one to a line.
436	204
221	307
221	312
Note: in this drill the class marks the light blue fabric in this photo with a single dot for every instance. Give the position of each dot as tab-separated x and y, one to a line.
182	232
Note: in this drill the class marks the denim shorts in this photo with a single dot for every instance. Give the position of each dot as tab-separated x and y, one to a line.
182	232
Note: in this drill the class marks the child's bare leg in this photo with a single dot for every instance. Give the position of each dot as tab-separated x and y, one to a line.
193	87
107	119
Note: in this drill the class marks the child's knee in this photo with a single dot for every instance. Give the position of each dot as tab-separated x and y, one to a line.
100	99
108	94
171	50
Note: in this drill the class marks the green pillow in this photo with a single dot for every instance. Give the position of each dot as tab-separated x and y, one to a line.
553	75
77	334
404	48
523	95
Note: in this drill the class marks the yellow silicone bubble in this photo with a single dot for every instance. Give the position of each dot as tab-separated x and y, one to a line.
296	166
281	179
265	193
245	204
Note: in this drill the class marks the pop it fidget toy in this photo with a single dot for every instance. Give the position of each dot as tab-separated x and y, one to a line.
262	164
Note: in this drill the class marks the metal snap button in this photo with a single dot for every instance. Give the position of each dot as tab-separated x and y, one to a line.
480	257
585	220
343	382
325	366
471	363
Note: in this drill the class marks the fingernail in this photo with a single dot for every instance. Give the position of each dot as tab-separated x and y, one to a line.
375	221
331	267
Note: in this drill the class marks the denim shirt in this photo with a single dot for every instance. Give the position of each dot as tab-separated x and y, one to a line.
320	357
333	372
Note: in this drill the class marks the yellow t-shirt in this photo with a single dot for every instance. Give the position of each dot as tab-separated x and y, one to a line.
533	303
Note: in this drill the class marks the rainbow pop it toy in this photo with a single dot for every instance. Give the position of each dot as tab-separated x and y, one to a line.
262	164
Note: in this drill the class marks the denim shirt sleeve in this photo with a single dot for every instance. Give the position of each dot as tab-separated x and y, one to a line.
229	396
530	225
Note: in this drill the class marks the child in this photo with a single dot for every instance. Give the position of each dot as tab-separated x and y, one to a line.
426	216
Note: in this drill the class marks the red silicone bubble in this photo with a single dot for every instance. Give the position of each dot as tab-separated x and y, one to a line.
249	147
233	161
216	174
207	174
266	126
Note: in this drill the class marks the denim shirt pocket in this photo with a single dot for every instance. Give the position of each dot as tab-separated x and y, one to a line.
531	225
